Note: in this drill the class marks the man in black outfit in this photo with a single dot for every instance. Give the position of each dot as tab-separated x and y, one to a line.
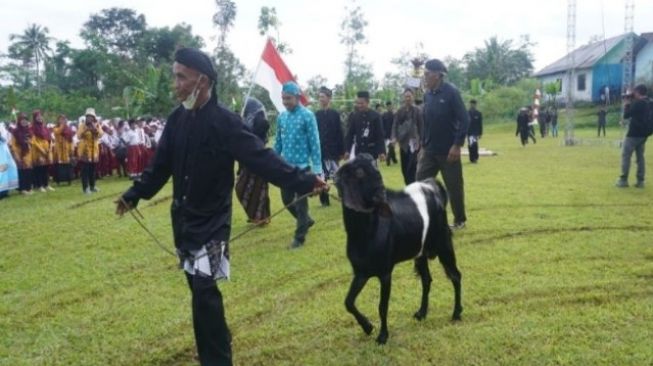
602	121
198	147
388	118
475	131
637	109
445	126
365	130
331	138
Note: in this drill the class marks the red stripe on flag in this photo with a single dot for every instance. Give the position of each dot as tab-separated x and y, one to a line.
273	59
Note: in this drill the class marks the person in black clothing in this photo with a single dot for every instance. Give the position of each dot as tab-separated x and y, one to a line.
475	131
407	130
198	147
554	122
523	127
388	118
364	130
331	138
602	121
636	108
445	126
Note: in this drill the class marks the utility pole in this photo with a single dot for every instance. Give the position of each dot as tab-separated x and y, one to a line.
571	46
627	67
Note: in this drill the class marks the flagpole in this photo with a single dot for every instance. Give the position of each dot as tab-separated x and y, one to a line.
251	84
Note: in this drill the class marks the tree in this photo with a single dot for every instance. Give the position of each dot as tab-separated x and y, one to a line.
116	30
32	45
314	84
352	35
229	67
500	61
268	21
159	44
224	19
456	74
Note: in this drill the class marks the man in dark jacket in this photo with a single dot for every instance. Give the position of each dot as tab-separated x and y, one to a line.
198	147
365	130
636	107
388	118
331	138
475	131
445	127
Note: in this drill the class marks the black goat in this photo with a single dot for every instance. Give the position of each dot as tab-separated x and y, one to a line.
386	227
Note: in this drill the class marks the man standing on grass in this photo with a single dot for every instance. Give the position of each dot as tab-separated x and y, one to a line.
364	130
298	142
475	131
331	138
198	148
636	107
445	127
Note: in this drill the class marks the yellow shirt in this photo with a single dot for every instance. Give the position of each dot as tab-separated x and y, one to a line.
23	158
41	152
88	149
63	150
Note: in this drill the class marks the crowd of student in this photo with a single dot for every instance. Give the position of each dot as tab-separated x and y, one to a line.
34	152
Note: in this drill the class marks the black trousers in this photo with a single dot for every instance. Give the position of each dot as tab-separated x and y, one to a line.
429	165
392	156
40	176
408	165
64	173
88	175
25	179
299	211
473	151
212	336
601	127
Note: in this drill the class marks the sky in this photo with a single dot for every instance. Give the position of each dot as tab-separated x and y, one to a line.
311	28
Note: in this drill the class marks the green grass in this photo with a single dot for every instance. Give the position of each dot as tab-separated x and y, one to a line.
557	268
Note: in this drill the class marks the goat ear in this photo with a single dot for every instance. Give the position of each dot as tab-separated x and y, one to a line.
385	210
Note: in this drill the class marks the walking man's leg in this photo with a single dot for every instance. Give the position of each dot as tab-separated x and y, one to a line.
452	174
641	164
626	154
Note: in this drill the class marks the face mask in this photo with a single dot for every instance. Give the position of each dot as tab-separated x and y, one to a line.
190	101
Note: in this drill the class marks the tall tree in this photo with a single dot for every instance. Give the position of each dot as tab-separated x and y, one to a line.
500	62
229	67
31	46
268	21
117	30
159	44
352	35
224	19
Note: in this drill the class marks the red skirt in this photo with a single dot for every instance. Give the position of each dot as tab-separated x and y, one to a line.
133	160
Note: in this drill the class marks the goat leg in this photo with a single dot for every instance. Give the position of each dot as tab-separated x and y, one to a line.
357	285
386	284
422	268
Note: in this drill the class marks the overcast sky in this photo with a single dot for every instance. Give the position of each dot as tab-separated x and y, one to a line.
451	27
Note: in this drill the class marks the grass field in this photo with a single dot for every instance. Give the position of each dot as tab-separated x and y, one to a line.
557	269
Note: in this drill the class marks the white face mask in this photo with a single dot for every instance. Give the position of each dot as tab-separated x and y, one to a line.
190	101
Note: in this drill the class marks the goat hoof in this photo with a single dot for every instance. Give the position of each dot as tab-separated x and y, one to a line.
382	339
456	318
367	328
420	315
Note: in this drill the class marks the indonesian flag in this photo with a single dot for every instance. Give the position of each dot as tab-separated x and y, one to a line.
272	73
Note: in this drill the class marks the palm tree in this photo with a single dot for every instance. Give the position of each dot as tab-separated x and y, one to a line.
33	44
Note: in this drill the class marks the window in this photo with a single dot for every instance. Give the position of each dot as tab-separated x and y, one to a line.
559	83
580	82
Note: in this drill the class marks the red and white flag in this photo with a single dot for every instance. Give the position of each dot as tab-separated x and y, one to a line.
272	73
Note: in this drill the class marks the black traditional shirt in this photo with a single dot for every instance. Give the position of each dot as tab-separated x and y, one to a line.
366	131
198	149
445	119
331	136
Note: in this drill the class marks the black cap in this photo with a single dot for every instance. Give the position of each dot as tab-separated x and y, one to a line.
435	65
197	60
473	101
363	94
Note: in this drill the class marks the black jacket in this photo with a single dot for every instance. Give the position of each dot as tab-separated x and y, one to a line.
388	118
198	149
445	120
637	111
475	123
373	141
331	136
